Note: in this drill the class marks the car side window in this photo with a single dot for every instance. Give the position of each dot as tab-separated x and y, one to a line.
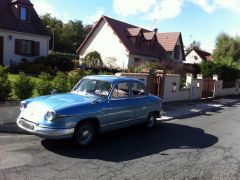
121	90
138	89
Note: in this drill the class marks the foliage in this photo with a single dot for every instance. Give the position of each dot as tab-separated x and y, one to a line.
5	85
194	45
93	60
182	82
224	71
60	62
60	82
44	86
227	47
23	86
89	72
50	64
68	36
151	67
74	77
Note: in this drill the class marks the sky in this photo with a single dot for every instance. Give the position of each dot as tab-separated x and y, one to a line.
200	20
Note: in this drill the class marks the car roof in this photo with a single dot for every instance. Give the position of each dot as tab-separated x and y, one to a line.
112	79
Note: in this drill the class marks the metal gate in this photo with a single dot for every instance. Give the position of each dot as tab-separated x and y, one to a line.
208	88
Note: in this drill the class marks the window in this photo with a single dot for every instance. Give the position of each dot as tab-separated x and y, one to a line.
137	61
91	86
176	52
27	47
121	90
138	89
24	13
196	58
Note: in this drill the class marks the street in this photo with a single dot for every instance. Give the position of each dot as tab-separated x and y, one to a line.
202	147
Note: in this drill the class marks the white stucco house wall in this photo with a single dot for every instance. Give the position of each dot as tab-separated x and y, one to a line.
123	45
196	56
22	35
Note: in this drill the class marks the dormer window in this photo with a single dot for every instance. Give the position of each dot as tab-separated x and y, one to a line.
24	13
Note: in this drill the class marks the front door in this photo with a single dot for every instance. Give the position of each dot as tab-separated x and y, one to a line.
1	51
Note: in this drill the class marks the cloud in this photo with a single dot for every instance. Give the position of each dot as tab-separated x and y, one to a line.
132	7
43	7
166	9
95	17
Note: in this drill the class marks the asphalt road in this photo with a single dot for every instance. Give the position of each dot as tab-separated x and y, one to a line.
203	147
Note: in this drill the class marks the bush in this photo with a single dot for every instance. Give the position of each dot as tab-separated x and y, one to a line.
93	60
23	87
89	72
74	77
61	62
44	86
5	85
60	83
224	71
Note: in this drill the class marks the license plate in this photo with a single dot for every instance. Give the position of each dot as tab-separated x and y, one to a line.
26	125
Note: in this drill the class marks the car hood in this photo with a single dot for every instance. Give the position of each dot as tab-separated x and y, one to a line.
59	101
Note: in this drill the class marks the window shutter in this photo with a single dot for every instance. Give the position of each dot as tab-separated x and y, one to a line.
36	48
18	49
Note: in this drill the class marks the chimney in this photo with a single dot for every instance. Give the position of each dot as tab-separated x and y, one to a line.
155	30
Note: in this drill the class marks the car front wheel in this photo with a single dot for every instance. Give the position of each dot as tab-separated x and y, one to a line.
84	134
151	121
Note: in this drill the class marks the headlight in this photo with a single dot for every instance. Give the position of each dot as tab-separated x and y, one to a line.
50	115
23	106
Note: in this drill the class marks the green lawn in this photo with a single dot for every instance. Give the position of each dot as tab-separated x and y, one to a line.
13	78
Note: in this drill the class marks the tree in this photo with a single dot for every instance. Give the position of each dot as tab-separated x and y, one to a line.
93	60
57	26
195	45
227	48
68	36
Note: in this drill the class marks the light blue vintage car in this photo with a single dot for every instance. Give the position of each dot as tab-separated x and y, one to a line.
96	104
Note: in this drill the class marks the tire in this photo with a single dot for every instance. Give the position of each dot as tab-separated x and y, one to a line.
151	121
84	134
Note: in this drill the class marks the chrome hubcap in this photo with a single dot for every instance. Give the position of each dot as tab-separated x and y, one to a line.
85	135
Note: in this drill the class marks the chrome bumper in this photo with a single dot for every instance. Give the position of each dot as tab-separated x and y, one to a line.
48	133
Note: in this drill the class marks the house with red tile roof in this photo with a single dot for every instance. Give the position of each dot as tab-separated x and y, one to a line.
123	45
22	34
196	56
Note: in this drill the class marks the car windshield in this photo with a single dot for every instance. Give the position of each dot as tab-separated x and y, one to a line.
92	87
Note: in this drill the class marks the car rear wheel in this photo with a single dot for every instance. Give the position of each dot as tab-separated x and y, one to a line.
151	121
84	134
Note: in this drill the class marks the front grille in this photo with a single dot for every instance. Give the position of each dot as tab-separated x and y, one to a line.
26	124
29	121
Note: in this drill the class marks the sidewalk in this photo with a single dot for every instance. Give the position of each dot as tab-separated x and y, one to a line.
176	110
180	110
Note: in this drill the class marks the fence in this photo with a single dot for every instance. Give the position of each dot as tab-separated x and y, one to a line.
168	86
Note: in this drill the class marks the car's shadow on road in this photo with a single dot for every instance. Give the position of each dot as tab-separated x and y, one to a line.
135	142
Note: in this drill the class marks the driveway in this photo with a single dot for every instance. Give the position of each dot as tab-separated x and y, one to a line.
204	147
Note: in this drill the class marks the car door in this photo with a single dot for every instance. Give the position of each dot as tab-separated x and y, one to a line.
121	108
141	98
